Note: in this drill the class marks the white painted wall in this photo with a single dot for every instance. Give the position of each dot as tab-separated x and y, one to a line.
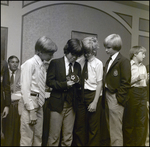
11	17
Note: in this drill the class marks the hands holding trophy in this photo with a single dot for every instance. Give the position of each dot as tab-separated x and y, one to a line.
73	77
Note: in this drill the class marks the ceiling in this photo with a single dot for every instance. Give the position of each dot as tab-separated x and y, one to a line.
137	4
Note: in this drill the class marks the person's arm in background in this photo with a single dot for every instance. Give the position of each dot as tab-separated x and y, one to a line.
6	93
6	90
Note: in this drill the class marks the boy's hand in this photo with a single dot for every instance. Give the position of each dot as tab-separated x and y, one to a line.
2	135
70	83
92	107
33	117
141	77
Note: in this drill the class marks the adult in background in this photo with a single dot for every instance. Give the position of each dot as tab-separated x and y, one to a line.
87	123
116	84
33	80
5	95
63	76
12	122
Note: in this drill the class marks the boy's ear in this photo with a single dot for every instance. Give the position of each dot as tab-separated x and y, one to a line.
38	52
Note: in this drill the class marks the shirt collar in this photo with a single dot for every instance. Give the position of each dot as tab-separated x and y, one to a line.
113	57
91	59
10	71
38	60
67	61
133	62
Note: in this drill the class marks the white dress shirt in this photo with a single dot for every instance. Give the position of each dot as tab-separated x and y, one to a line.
113	57
30	71
95	72
67	65
10	73
136	70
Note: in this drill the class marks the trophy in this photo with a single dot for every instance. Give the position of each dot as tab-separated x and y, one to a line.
73	77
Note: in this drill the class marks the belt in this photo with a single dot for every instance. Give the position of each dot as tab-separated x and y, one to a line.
106	88
87	90
14	102
35	94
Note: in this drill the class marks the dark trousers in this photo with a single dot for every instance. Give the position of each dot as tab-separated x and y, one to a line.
87	124
135	116
12	126
46	120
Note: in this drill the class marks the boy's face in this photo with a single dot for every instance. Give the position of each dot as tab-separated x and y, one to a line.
13	64
46	56
109	50
71	58
140	56
88	54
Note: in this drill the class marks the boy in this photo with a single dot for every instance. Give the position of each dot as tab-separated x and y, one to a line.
136	109
63	98
33	77
88	113
116	82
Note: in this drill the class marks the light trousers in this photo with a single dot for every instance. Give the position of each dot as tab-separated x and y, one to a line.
61	123
114	117
31	135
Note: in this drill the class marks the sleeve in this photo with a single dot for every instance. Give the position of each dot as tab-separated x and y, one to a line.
51	79
99	71
6	85
145	73
26	78
125	82
134	74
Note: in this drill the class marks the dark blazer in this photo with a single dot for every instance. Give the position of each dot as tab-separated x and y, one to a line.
16	85
118	78
56	79
5	86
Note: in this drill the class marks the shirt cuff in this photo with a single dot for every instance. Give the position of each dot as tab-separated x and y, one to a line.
29	106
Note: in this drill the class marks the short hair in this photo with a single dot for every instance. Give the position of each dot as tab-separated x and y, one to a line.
136	50
73	46
45	45
90	44
113	40
11	57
